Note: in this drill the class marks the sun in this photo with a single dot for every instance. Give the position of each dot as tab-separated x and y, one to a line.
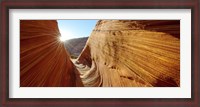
62	39
65	35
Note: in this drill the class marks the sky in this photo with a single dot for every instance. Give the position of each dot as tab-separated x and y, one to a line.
75	28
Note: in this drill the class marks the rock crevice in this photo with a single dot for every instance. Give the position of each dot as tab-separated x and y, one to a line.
118	53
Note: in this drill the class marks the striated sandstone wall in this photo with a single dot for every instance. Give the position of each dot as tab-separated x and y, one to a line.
118	53
132	53
43	58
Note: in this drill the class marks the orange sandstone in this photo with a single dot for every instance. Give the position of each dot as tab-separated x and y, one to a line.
44	62
126	53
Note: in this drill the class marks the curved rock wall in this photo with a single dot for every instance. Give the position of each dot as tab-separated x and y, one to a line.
43	58
118	53
132	53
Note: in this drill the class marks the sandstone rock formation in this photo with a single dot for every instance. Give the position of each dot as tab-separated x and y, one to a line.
118	53
75	46
43	58
132	53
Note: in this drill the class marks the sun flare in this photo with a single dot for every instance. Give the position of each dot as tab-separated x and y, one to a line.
62	39
65	35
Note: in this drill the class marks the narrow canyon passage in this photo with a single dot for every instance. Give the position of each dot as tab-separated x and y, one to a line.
83	70
118	53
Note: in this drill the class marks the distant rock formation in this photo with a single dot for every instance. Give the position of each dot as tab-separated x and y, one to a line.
75	46
132	53
44	61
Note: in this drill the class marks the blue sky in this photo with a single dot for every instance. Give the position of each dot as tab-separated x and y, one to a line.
76	28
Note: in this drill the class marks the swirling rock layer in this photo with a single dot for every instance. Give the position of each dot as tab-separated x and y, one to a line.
132	53
118	53
43	58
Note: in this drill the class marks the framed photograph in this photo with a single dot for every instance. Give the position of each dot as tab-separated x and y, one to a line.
100	53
